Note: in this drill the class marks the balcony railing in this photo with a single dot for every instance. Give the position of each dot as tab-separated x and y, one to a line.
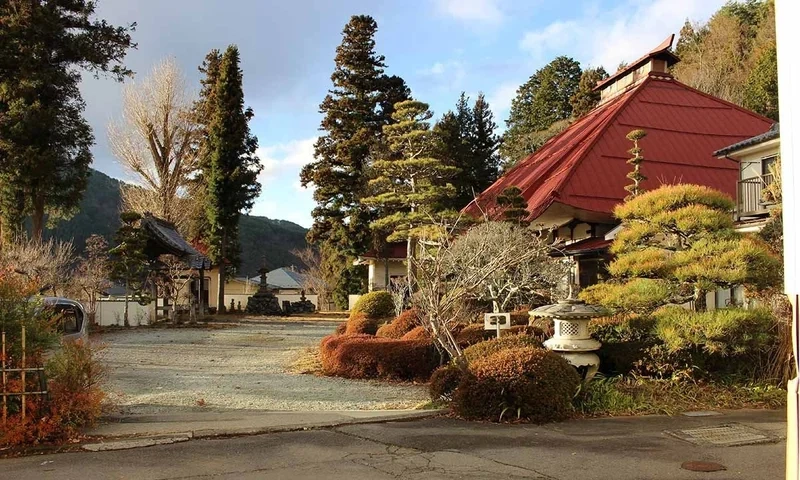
751	195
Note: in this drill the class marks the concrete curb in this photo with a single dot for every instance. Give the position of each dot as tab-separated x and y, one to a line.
125	442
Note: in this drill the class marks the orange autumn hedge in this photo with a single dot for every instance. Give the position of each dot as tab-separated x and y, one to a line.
364	356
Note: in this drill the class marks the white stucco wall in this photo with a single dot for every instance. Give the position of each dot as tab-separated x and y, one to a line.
111	311
377	273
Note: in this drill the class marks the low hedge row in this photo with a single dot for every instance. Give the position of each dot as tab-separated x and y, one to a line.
365	356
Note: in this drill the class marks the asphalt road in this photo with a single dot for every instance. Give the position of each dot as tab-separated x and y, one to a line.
440	448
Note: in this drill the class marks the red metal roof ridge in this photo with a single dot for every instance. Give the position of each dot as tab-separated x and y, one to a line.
662	48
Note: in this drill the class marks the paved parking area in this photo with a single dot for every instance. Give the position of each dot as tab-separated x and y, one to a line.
244	366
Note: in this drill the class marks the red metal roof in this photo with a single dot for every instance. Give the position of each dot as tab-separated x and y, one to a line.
587	245
585	166
394	250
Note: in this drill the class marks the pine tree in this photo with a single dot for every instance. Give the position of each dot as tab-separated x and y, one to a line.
761	89
586	98
466	140
411	183
636	176
677	244
44	47
231	169
540	102
360	102
514	206
129	263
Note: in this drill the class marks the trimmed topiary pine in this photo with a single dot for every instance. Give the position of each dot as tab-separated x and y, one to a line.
374	305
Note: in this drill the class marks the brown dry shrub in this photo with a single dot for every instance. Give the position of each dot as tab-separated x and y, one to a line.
527	383
472	334
444	382
490	347
402	324
341	328
362	356
361	324
418	333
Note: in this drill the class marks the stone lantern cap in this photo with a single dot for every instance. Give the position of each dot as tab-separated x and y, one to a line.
570	309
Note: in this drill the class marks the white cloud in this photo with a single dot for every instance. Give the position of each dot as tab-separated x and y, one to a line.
500	99
285	157
553	37
449	74
624	33
479	11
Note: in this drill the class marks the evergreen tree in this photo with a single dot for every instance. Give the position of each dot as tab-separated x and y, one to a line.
540	102
677	244
356	108
636	176
44	47
465	139
411	182
514	206
586	98
761	89
231	169
129	263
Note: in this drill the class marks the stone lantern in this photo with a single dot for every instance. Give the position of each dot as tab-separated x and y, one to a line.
571	338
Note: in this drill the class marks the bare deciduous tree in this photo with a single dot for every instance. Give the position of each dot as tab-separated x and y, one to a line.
155	140
447	279
48	264
171	278
532	279
313	275
92	274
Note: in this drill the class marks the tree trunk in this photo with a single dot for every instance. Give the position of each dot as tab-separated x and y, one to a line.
700	300
221	277
125	312
38	218
409	268
386	273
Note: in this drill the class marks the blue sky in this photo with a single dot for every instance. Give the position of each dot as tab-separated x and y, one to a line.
440	47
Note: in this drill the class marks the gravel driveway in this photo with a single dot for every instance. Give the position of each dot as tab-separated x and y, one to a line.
238	367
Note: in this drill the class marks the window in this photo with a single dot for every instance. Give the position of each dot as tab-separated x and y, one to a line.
767	164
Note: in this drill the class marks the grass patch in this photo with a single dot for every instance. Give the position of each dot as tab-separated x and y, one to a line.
620	396
308	362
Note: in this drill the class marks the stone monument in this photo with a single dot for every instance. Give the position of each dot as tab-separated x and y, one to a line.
263	302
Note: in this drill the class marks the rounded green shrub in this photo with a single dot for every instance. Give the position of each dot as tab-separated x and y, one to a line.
444	382
374	305
527	383
489	347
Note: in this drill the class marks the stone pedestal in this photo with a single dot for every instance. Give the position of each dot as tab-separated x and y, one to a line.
263	302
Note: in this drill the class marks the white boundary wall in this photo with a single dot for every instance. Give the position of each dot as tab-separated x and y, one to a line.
110	312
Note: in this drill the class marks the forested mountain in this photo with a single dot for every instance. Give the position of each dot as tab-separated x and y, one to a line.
260	237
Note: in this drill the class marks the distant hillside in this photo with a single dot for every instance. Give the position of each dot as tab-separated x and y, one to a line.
259	236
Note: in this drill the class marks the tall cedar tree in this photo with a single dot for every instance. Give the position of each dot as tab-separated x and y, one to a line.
44	47
231	169
540	102
129	263
410	182
466	140
586	98
355	110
